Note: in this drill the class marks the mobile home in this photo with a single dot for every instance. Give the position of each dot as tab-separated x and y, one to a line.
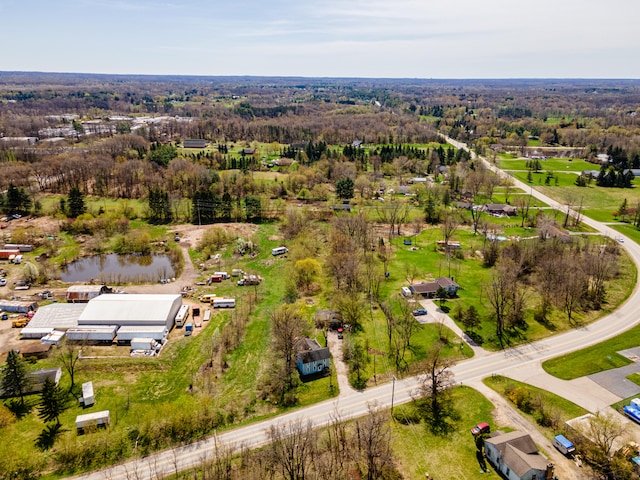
182	316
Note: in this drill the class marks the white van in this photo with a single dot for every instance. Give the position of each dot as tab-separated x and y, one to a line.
279	251
224	275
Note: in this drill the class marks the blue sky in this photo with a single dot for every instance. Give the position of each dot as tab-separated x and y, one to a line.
325	38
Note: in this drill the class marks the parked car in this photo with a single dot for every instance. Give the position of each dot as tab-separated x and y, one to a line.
3	282
483	427
419	311
340	333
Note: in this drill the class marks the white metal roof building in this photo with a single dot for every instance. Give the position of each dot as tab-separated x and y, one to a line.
133	309
57	316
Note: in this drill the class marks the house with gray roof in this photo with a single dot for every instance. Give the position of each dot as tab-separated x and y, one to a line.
311	357
516	456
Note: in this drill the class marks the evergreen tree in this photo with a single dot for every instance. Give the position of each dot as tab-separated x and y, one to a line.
202	207
53	402
159	206
344	188
75	201
253	206
15	377
471	319
17	200
227	206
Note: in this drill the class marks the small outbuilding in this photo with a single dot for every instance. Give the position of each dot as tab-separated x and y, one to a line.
311	358
16	306
84	293
88	397
92	420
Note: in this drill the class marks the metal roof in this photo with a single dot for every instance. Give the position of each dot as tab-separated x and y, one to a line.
60	316
133	309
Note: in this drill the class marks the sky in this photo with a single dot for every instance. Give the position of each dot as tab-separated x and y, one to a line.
324	38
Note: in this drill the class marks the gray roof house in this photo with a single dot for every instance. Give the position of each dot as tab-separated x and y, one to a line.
311	357
516	456
500	209
429	289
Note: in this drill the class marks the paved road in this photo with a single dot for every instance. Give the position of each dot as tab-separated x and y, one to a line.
522	363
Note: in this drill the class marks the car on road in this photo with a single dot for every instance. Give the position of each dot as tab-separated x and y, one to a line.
483	427
419	311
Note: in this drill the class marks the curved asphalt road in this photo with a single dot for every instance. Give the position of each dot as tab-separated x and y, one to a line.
520	361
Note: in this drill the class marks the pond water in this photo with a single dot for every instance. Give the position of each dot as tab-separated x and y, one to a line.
114	268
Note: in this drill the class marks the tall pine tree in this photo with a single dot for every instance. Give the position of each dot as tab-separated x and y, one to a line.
16	381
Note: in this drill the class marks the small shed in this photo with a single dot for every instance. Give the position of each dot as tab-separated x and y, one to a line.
36	350
38	377
16	306
88	398
84	293
92	420
311	358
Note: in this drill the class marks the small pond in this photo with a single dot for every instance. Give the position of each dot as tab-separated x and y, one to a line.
114	268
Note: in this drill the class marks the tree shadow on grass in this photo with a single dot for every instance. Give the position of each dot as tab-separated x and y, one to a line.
47	437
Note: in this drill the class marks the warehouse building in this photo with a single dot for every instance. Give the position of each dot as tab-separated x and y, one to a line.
128	310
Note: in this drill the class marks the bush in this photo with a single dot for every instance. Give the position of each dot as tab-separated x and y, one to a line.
6	417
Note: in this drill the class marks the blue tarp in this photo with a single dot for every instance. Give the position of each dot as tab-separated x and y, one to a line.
564	441
632	412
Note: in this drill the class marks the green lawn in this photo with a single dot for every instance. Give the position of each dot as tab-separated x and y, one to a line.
417	451
550	164
597	358
529	400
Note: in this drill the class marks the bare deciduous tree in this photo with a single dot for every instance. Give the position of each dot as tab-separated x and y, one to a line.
292	448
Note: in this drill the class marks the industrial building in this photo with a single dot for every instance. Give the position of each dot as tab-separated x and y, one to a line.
146	315
129	310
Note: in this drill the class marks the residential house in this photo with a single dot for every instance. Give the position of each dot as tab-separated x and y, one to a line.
516	456
311	357
500	209
429	289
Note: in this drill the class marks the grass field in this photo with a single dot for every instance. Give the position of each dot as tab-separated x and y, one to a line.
550	164
597	358
552	403
417	451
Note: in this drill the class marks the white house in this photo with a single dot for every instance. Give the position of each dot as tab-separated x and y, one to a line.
516	456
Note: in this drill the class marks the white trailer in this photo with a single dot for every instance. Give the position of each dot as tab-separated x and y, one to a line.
279	251
182	315
54	338
95	419
224	275
143	344
224	303
88	398
92	333
128	333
